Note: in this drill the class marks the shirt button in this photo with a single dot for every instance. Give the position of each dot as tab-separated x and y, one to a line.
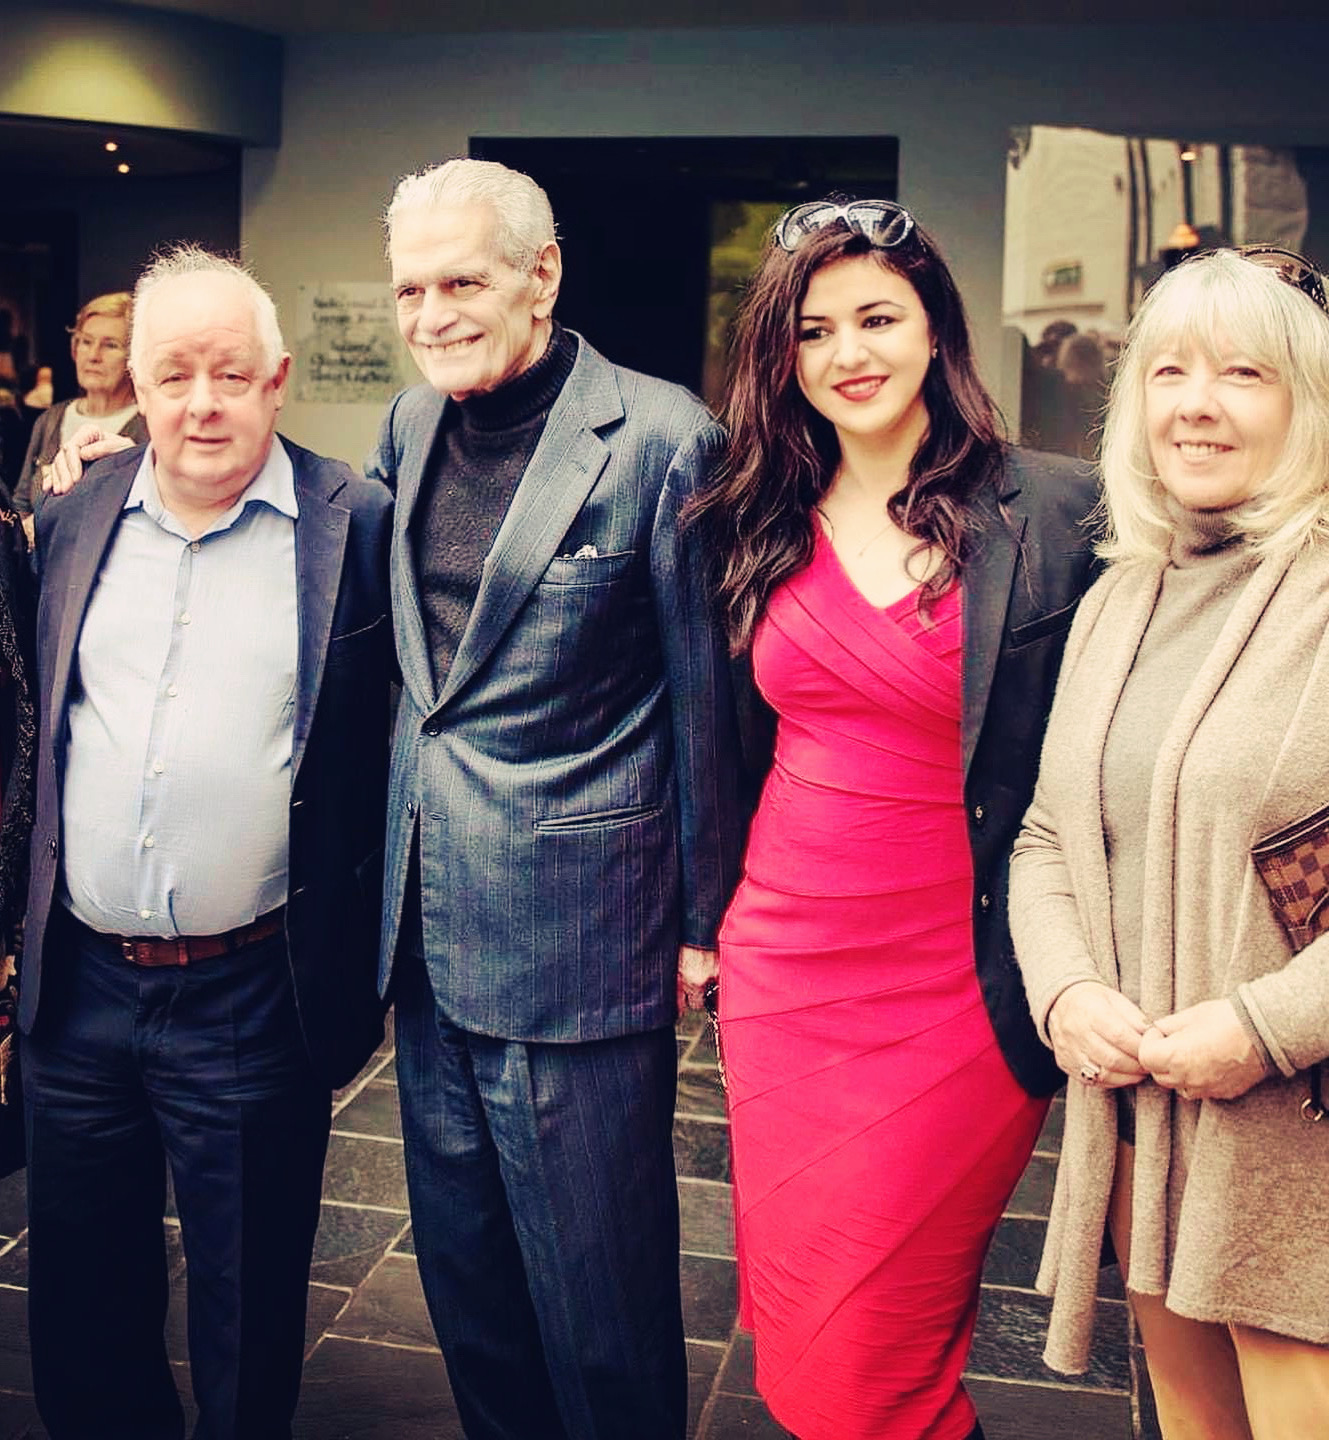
149	842
157	767
172	691
195	546
185	617
145	914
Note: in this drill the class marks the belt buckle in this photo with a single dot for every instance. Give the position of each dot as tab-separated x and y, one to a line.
127	950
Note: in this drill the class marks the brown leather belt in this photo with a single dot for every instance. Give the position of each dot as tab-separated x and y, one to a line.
154	950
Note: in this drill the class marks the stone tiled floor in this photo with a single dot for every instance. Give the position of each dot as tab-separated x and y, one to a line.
373	1371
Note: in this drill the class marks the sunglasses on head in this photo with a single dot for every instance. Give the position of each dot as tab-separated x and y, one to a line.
1290	267
882	223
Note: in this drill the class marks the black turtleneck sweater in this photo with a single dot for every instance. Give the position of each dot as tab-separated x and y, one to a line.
486	444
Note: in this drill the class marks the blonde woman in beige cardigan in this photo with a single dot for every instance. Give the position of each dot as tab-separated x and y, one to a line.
1192	720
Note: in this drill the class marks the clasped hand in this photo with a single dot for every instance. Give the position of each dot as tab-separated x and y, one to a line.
1202	1052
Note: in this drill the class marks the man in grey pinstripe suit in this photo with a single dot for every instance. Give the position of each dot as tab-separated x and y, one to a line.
563	823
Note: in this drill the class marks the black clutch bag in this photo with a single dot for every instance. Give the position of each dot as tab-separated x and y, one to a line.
1294	865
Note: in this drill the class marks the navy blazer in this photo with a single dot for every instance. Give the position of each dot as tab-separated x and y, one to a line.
573	785
340	742
1032	562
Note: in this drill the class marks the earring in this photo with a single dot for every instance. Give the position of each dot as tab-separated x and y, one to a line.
934	352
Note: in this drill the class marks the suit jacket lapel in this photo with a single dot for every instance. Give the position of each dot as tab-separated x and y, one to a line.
412	642
562	472
105	501
985	598
320	543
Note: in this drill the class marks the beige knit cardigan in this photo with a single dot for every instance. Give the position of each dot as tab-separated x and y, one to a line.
1231	1198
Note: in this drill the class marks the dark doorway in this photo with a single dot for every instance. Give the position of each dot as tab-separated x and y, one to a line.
641	220
84	207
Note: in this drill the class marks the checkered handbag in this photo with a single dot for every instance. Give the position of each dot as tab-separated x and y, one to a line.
1294	865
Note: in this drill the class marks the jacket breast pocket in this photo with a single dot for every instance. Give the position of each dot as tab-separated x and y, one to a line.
1056	622
364	634
588	570
588	620
365	651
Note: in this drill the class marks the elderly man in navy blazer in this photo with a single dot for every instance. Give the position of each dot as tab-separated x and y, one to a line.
563	825
214	659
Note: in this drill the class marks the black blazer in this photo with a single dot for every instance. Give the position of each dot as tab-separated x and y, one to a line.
1019	591
340	744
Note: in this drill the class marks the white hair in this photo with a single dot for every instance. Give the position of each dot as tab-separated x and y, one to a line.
1211	304
195	260
523	221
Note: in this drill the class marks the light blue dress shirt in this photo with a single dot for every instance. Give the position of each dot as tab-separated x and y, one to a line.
178	777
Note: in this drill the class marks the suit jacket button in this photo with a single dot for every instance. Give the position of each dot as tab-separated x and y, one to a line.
53	848
432	729
985	902
980	814
410	808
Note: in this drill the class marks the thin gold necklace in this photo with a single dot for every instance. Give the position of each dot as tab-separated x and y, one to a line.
872	539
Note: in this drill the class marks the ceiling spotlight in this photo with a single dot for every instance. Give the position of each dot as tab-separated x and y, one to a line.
111	146
122	168
1189	154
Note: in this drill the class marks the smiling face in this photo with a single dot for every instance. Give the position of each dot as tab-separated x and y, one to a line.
864	347
471	320
207	395
1216	426
100	348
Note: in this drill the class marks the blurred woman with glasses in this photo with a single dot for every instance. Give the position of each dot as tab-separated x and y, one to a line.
903	582
99	343
1170	890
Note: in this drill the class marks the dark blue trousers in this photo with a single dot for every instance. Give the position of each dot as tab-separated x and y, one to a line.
128	1069
545	1216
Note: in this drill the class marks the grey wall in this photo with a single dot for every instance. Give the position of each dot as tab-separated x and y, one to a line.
139	67
359	111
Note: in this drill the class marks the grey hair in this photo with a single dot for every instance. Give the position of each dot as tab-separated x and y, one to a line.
524	222
191	259
1214	304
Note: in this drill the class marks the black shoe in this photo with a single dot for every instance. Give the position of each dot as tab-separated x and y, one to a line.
976	1433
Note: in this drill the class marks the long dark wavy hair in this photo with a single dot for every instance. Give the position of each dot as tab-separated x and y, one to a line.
756	515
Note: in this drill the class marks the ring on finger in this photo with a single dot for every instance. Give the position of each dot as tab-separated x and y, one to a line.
1090	1074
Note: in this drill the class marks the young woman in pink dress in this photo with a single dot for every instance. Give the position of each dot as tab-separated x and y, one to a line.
903	582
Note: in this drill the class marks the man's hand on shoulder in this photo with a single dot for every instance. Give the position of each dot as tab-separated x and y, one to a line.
88	443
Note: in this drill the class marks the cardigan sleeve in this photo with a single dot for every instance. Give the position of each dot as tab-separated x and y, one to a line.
1045	921
1049	939
1289	1008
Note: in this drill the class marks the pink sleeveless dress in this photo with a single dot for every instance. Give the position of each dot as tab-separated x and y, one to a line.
876	1130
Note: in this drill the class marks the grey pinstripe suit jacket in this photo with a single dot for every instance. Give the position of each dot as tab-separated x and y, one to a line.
574	783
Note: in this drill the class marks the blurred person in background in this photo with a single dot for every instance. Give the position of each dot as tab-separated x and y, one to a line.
99	343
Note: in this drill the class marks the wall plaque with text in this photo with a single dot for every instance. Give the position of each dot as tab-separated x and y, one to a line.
347	347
